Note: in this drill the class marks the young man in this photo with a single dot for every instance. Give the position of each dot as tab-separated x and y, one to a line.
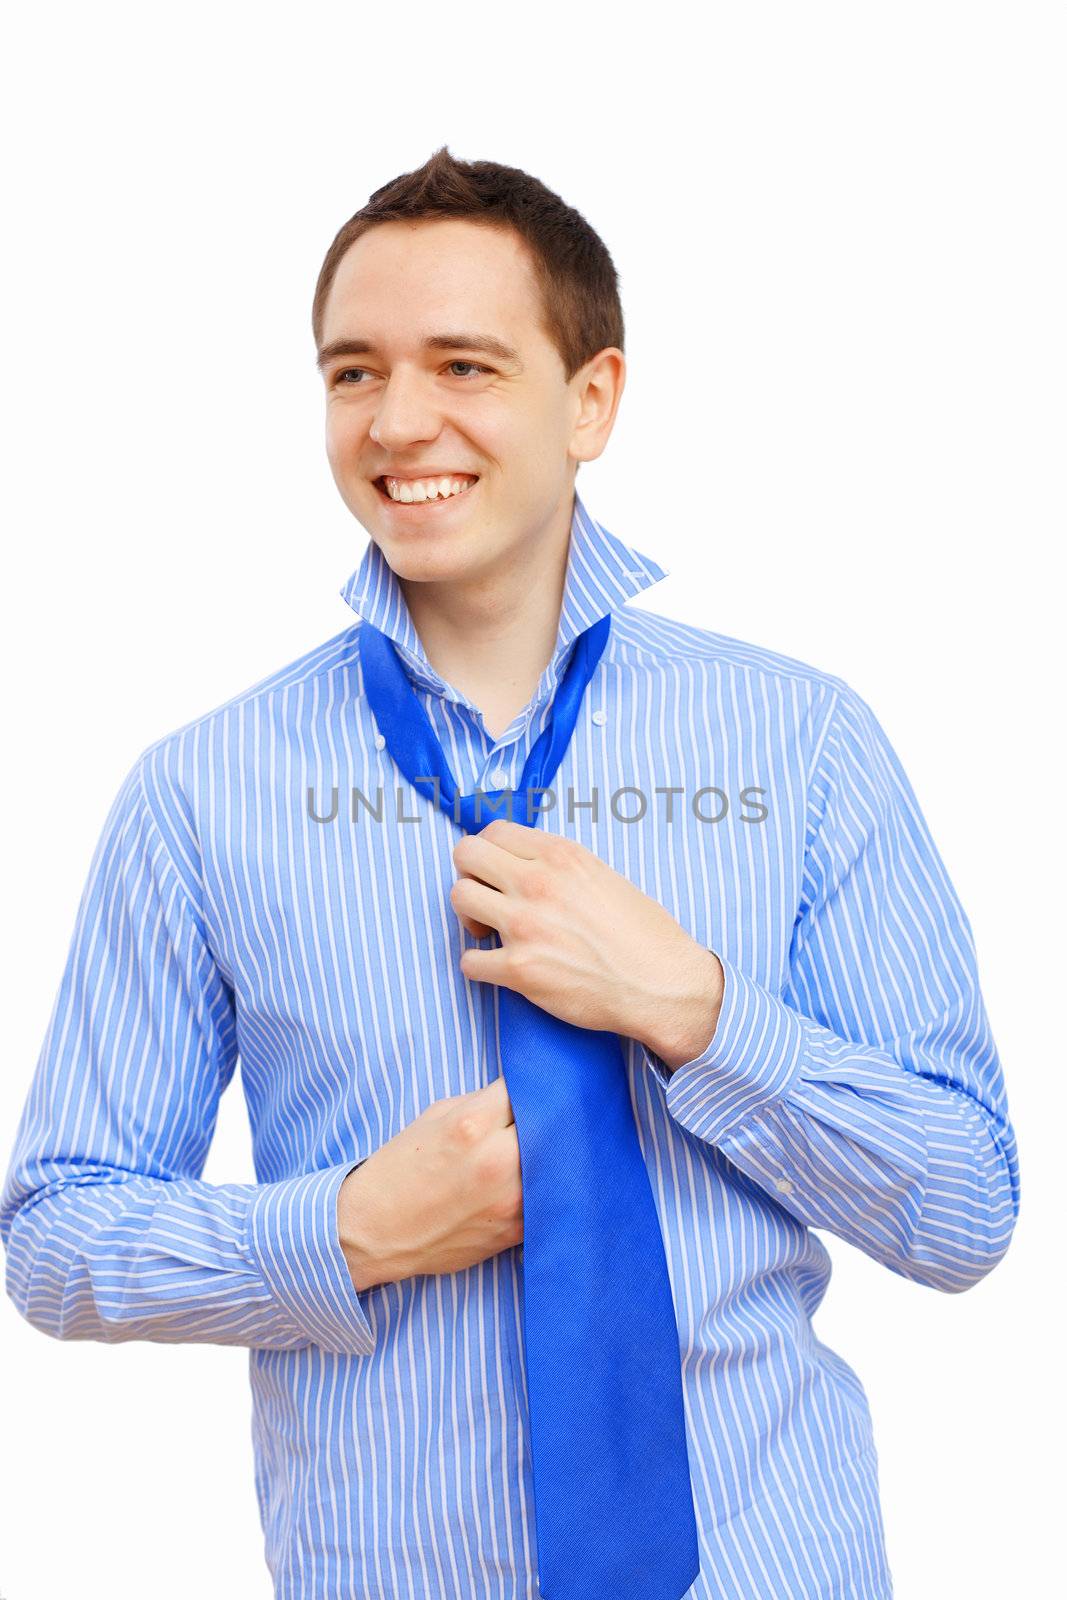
726	878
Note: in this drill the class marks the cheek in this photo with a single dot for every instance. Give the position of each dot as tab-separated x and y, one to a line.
489	437
344	436
545	433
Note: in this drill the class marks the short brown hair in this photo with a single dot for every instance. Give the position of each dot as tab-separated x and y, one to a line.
581	311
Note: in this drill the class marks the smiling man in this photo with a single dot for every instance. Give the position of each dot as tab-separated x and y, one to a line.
455	440
626	961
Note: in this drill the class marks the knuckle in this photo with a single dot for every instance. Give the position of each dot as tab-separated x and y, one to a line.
539	884
466	1129
522	966
521	926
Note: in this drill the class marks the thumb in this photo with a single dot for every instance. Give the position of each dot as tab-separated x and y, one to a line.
495	1094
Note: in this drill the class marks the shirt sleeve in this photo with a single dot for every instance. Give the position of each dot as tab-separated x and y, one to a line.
867	1095
109	1230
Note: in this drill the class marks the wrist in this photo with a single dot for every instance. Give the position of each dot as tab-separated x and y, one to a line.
363	1255
681	1025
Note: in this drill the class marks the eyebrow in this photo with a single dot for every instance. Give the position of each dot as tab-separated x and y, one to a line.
482	342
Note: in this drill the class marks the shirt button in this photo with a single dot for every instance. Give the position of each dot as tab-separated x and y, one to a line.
783	1186
379	741
499	778
600	717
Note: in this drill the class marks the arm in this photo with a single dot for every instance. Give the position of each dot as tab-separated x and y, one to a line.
109	1230
867	1097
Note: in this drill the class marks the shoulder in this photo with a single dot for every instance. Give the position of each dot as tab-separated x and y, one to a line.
654	641
789	698
170	788
179	773
666	638
313	672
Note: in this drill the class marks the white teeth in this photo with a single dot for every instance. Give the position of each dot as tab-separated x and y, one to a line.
426	488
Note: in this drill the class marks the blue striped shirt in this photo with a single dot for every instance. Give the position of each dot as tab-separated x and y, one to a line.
268	888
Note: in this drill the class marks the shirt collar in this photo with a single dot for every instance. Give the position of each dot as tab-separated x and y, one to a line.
602	574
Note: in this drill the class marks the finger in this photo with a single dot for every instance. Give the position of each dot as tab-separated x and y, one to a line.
514	837
478	857
498	1100
508	1140
477	901
485	966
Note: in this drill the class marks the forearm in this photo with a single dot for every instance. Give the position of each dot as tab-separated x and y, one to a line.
184	1261
905	1168
900	1161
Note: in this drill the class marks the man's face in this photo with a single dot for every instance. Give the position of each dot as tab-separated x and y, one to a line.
401	408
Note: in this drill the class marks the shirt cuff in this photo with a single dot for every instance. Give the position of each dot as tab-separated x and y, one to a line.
294	1241
753	1058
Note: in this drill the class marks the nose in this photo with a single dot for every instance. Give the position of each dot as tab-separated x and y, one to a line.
405	414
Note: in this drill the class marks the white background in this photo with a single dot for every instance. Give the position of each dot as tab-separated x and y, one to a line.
839	231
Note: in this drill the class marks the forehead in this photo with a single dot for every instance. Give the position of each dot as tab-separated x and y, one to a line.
444	272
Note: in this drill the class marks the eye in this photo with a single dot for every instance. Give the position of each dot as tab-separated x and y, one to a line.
357	373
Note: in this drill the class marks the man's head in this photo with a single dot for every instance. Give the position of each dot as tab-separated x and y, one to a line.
468	326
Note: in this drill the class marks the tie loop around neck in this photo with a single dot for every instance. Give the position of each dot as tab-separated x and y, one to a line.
411	741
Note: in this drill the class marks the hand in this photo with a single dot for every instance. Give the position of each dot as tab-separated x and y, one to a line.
443	1194
581	941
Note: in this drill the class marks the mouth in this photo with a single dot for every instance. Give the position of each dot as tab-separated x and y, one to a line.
408	496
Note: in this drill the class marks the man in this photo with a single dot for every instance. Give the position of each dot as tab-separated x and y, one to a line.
731	874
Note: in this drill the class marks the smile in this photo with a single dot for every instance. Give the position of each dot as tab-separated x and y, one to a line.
424	491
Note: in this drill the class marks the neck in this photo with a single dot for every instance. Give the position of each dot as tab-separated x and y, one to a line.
492	638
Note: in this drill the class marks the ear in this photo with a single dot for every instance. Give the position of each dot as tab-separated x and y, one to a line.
597	388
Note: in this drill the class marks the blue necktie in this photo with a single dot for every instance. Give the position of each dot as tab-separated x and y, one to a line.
613	1500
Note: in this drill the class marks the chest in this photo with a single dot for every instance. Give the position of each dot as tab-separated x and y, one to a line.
327	880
